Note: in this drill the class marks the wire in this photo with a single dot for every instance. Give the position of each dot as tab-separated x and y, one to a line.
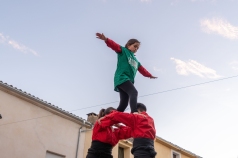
25	120
138	96
163	91
189	86
38	118
94	106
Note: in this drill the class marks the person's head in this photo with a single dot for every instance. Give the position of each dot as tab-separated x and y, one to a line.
133	45
101	113
109	110
141	107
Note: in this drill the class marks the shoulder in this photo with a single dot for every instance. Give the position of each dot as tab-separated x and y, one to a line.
124	49
139	115
148	116
144	115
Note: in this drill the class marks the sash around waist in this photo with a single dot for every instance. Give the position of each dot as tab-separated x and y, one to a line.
143	147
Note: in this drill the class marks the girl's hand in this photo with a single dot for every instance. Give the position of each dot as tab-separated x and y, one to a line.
117	125
101	36
99	120
153	77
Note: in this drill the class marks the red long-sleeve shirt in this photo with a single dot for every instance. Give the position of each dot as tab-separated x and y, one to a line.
142	125
109	134
117	48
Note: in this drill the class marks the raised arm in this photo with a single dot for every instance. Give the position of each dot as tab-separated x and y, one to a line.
110	43
145	73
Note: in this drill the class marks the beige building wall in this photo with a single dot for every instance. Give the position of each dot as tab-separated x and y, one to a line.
29	131
163	148
87	142
30	128
124	144
166	149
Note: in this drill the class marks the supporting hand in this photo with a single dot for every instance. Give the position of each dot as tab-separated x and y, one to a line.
118	125
99	120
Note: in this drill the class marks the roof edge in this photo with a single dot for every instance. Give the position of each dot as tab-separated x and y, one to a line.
176	148
43	104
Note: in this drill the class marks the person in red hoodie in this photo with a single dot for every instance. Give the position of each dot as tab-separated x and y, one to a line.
104	139
127	66
142	129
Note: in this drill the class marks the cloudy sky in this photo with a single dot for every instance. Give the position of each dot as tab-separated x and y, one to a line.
49	49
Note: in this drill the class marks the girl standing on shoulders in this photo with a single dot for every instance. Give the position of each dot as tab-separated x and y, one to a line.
127	66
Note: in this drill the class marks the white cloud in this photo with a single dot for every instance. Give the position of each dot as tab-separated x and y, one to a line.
219	26
234	65
157	69
16	45
2	38
193	67
228	89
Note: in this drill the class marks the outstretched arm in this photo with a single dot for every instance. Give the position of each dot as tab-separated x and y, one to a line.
123	132
145	73
117	117
110	43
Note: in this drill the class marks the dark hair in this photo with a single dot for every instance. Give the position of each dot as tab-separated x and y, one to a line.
109	110
101	113
131	41
141	107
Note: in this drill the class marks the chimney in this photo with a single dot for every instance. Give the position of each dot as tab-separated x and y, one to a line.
92	118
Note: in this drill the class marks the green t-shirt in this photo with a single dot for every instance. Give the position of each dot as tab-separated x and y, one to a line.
127	66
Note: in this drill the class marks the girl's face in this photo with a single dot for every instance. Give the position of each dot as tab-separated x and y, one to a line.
134	47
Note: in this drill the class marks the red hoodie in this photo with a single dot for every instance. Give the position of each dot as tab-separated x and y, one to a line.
142	125
109	134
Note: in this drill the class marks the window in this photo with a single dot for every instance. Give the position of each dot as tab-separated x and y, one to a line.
53	155
120	152
175	154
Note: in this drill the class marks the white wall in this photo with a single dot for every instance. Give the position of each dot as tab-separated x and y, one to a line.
28	131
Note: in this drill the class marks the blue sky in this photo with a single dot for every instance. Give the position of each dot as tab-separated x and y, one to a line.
49	49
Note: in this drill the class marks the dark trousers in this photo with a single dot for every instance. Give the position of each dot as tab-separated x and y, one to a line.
143	148
127	93
99	150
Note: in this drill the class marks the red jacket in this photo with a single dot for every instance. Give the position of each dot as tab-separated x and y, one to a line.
117	48
109	134
142	125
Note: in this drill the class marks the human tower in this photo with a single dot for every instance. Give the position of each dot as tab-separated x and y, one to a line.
114	124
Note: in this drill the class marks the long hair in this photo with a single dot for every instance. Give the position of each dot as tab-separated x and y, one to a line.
131	41
109	110
101	113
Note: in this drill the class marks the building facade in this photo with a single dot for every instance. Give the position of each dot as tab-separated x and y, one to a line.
33	128
163	148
